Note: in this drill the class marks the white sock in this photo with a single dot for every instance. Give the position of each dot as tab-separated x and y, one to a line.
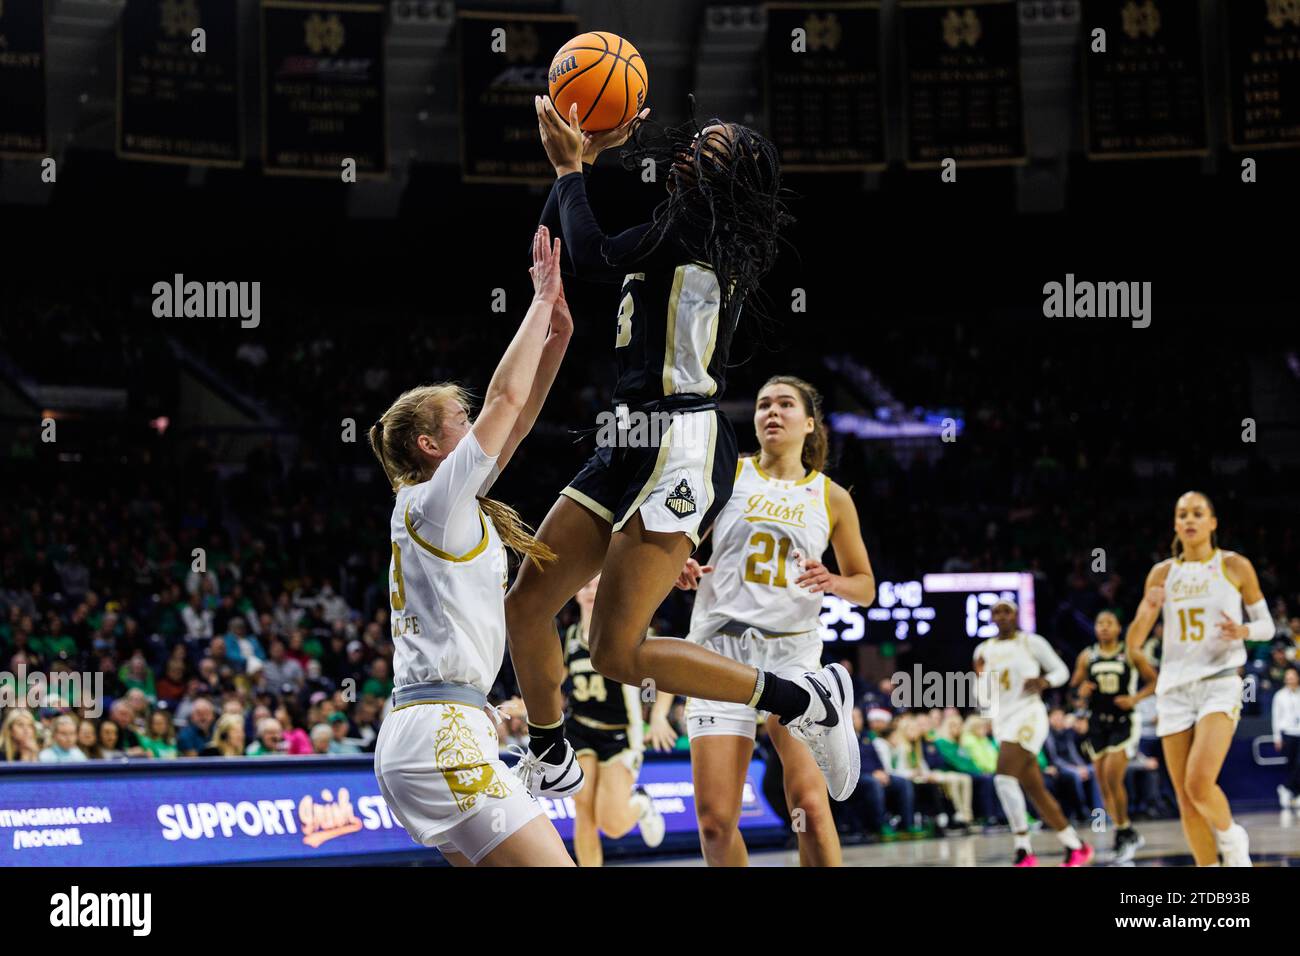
1220	836
640	802
1069	838
1012	799
1022	843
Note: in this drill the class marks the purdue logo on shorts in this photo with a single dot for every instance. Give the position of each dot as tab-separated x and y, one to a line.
681	500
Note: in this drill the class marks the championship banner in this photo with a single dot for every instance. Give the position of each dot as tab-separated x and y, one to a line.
23	131
1263	73
824	97
323	95
175	105
961	83
1145	96
500	73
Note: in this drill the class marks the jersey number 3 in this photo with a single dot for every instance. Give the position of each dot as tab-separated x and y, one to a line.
765	544
623	336
398	596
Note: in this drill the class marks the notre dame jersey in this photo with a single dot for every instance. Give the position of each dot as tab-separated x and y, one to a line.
1113	676
593	697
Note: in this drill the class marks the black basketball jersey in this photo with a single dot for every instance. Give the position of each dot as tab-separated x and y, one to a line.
670	336
1113	676
592	696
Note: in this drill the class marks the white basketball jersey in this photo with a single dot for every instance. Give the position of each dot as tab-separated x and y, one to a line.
757	540
1197	595
1009	663
448	611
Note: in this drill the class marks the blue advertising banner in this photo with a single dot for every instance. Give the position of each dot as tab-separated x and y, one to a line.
253	810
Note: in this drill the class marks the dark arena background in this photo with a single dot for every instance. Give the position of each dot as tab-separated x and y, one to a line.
175	485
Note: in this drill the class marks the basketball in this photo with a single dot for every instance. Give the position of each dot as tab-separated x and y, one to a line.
604	75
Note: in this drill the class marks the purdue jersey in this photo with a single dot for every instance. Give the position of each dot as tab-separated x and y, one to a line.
448	610
593	697
1112	676
764	528
1197	595
669	337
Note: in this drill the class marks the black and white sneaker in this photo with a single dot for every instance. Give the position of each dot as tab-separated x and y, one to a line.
542	778
1127	843
827	728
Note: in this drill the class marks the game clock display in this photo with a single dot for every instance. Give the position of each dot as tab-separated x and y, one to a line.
945	606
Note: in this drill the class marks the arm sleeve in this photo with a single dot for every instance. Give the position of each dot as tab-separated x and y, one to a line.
1054	670
635	722
587	252
445	505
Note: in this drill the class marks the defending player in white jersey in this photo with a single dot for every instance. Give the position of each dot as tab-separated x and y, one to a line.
758	603
1200	591
436	758
1021	666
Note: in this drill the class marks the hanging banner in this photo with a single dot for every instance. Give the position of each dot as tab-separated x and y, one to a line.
824	101
23	130
1263	73
961	83
503	62
323	96
1145	96
174	103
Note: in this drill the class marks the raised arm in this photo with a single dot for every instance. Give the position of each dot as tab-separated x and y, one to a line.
511	388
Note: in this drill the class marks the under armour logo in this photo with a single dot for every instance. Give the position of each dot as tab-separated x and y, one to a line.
701	720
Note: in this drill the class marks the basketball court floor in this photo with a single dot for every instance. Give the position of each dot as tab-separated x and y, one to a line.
1274	841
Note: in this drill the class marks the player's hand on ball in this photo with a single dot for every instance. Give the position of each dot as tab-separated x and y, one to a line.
1155	597
562	141
661	735
593	144
689	579
816	577
545	270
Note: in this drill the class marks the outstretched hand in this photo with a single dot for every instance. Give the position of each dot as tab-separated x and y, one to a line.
593	144
545	270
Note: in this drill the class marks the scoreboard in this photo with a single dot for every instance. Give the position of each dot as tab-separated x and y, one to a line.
939	607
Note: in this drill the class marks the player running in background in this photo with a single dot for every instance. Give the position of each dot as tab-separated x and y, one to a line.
1200	592
641	503
759	600
606	730
1106	675
436	756
1021	666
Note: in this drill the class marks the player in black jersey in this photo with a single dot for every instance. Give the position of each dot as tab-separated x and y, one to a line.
606	730
642	502
1108	679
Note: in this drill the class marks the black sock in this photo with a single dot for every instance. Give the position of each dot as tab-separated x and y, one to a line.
782	697
540	738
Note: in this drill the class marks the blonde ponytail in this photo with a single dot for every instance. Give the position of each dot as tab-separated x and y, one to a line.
419	411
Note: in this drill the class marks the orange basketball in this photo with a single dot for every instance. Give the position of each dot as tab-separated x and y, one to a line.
604	75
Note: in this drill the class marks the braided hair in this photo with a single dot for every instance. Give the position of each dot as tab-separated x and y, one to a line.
725	202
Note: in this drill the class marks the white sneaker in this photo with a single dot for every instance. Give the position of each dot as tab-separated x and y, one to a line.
1235	846
1285	797
827	728
650	820
542	778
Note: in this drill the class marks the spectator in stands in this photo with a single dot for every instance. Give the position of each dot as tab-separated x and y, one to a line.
160	740
340	743
977	740
270	737
280	669
321	738
197	619
171	686
122	714
380	684
1286	736
227	738
907	760
88	739
109	740
136	675
1278	665
947	741
296	741
1076	778
196	734
245	646
878	788
63	748
20	737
